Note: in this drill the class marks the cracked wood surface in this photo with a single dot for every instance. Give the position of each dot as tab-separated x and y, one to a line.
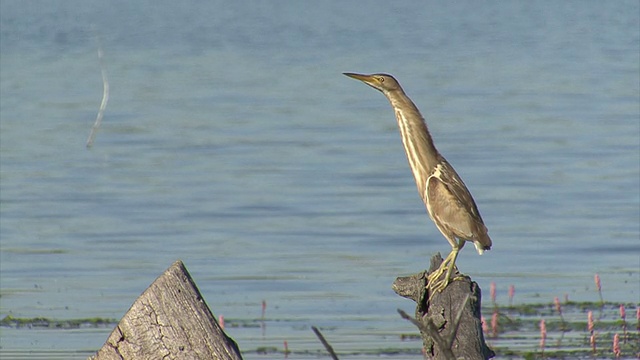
170	320
460	300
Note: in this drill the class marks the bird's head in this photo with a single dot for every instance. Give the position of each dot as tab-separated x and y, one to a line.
381	82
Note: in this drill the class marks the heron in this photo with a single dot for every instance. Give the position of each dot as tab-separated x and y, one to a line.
447	199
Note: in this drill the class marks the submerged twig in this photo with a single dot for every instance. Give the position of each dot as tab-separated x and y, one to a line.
105	96
325	343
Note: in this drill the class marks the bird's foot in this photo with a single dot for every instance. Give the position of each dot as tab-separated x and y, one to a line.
437	273
448	268
439	285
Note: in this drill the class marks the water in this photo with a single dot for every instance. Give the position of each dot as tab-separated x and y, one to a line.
232	141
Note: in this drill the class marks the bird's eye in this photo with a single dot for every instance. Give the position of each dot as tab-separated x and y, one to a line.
381	79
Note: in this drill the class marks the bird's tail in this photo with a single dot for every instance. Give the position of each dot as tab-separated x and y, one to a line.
482	242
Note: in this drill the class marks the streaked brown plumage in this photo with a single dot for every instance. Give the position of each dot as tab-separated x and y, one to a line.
448	201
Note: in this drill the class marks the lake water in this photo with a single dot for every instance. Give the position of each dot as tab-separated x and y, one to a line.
232	141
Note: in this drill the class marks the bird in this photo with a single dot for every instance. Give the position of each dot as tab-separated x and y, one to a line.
447	199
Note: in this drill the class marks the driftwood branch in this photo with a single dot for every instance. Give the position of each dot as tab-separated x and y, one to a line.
170	320
325	343
449	321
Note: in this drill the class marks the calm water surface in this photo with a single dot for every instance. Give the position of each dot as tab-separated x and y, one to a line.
232	141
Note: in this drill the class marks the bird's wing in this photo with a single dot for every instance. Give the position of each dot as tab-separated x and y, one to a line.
456	209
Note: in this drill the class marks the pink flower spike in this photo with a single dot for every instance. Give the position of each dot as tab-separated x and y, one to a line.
512	292
616	345
623	317
264	308
599	287
543	334
590	321
221	322
556	301
493	292
494	324
485	327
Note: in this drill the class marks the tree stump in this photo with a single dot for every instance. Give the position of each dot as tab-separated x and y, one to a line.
450	321
169	320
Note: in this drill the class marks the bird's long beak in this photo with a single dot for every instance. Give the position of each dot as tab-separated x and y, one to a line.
367	79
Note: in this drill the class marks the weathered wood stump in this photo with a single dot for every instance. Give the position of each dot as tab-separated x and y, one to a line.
450	321
170	320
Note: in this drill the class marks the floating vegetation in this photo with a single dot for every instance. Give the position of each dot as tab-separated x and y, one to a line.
569	330
44	323
554	330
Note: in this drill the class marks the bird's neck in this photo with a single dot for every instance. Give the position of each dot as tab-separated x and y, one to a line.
418	145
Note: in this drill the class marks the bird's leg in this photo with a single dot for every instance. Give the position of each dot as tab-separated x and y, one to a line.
452	265
435	275
447	266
